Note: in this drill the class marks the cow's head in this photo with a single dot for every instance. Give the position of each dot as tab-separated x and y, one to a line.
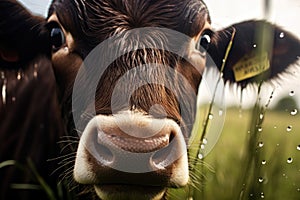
128	74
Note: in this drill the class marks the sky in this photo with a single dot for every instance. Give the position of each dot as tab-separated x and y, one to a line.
285	13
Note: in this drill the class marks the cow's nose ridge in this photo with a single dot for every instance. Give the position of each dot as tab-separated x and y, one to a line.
145	144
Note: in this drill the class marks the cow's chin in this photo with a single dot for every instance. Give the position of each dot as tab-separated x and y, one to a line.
118	192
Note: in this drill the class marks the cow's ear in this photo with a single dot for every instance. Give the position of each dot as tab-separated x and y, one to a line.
259	51
22	34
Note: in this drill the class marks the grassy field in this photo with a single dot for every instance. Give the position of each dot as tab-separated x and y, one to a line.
238	167
247	162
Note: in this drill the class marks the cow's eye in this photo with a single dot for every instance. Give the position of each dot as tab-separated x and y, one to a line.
57	38
204	41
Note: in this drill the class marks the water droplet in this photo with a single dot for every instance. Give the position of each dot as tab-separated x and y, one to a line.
263	162
260	129
298	147
261	116
19	75
223	60
2	75
4	91
202	146
294	112
289	128
261	144
204	141
289	160
254	45
292	93
298	189
13	99
35	74
200	156
262	195
260	179
220	112
281	35
275	127
210	116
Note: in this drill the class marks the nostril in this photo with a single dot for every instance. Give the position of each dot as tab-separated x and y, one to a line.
160	158
105	155
172	136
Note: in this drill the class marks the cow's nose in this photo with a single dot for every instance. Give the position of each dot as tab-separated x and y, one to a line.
132	143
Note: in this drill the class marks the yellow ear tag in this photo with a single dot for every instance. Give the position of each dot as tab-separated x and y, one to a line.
250	66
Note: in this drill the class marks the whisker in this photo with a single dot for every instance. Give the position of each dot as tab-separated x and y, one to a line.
69	137
61	157
66	146
62	166
67	172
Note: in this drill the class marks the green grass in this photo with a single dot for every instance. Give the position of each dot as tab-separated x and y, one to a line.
227	170
224	173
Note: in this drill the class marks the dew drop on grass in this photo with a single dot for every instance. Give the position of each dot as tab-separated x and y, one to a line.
289	128
260	179
259	129
298	147
294	112
200	156
292	93
262	195
261	116
204	141
263	162
289	160
210	116
261	144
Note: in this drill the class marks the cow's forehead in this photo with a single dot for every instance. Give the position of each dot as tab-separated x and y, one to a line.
169	12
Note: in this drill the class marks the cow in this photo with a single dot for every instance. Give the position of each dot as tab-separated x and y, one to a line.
30	119
128	73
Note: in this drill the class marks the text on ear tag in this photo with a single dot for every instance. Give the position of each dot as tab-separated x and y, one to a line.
250	66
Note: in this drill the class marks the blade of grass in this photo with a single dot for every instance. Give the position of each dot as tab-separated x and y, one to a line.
25	186
7	163
206	123
42	182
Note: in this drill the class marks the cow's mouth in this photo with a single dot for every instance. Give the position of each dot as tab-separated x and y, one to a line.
135	145
123	166
121	191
